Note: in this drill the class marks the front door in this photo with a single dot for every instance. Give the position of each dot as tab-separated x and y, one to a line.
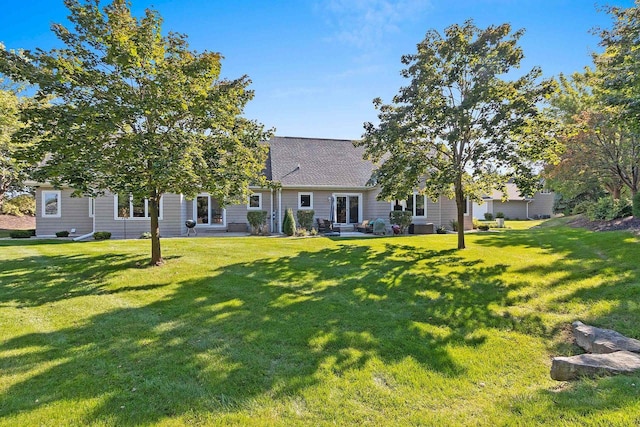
348	209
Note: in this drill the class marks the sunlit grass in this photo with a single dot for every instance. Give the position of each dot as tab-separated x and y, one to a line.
287	331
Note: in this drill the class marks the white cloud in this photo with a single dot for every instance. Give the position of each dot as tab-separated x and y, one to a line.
364	23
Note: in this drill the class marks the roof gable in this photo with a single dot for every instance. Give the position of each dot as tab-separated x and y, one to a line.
315	162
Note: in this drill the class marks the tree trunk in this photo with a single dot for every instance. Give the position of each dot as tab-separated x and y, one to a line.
460	202
156	254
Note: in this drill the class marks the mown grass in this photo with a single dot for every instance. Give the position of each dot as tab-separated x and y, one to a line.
314	331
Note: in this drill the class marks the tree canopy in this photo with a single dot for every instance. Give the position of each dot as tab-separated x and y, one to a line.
460	127
11	168
135	111
599	111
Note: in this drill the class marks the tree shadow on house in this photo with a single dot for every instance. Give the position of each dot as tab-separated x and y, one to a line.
269	328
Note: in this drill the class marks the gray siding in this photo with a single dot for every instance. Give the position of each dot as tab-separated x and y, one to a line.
542	204
512	209
74	214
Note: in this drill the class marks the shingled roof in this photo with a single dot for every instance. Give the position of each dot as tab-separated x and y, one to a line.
313	162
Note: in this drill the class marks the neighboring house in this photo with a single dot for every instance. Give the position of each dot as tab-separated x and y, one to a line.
326	175
516	206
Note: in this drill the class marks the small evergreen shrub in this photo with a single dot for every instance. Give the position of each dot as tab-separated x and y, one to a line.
454	225
500	215
258	221
305	219
289	223
635	210
301	232
64	233
102	235
20	234
488	216
483	227
606	209
24	204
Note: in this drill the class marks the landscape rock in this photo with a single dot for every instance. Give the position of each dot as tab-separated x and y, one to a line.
600	341
572	367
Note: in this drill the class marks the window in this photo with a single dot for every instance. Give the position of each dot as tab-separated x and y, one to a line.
416	204
207	211
51	204
305	200
255	202
133	207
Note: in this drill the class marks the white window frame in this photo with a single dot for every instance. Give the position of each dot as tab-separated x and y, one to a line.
307	208
146	216
254	208
58	213
415	195
335	207
209	223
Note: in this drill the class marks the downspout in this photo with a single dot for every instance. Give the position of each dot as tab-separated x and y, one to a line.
272	210
528	201
93	226
279	210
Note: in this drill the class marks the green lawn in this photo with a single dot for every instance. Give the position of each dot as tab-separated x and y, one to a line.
314	331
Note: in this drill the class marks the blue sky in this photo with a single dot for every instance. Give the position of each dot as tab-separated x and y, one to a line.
316	65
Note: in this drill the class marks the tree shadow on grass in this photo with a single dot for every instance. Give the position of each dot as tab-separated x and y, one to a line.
40	279
580	256
268	328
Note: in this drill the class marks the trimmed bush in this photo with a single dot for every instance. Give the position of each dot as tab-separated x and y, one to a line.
64	233
24	204
488	216
483	227
289	223
102	235
20	234
258	221
499	214
305	219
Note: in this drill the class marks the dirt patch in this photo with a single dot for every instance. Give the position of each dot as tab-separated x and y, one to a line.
621	224
10	222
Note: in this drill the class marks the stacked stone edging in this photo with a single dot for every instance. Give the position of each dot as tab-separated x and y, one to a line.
611	353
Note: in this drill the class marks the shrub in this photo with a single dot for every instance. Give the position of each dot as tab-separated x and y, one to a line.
145	235
441	230
476	223
64	233
289	223
499	214
454	225
488	216
483	227
636	205
313	232
20	234
24	204
607	209
301	232
305	219
401	218
102	235
258	221
581	207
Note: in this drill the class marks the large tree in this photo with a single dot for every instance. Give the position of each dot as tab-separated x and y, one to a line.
460	127
135	112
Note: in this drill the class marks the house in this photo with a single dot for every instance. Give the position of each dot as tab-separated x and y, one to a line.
516	206
326	175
